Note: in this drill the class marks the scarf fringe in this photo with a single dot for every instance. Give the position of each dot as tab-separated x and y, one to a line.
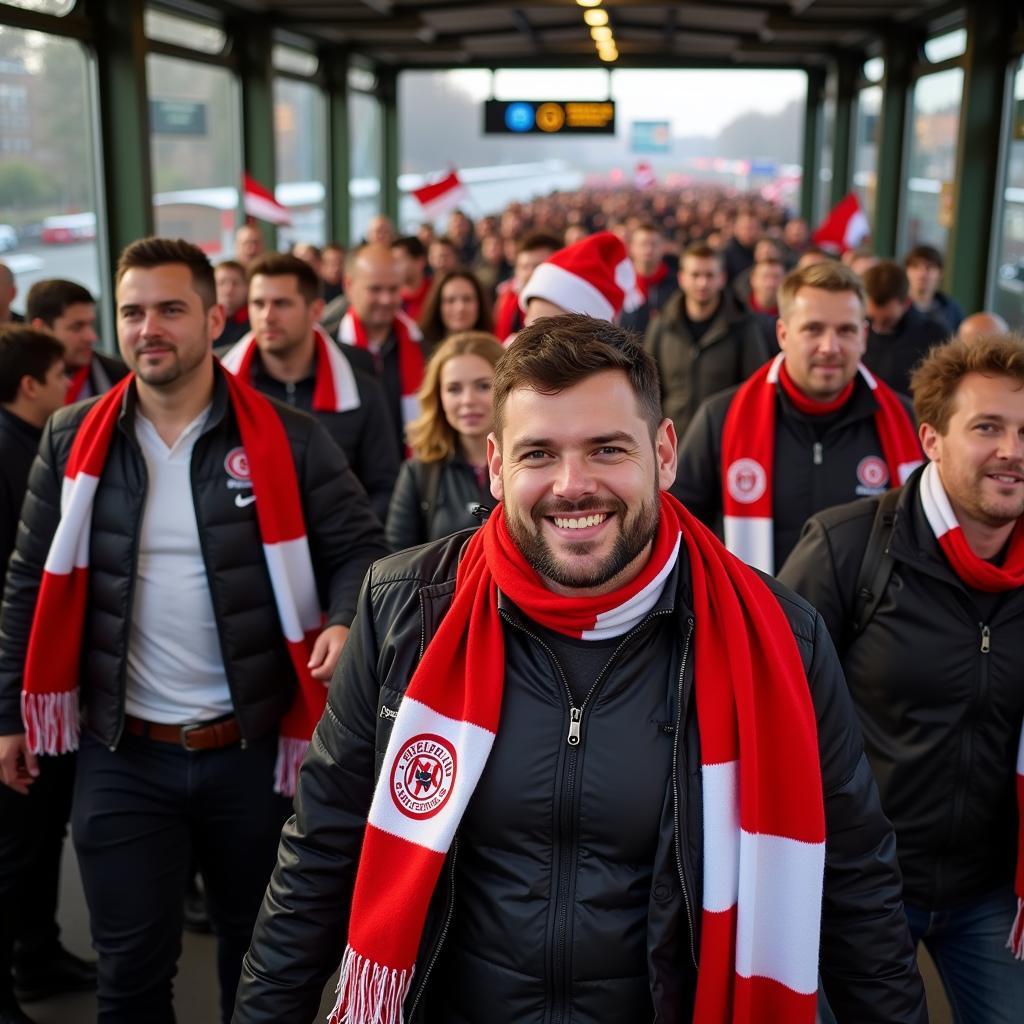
369	993
51	721
1016	941
290	754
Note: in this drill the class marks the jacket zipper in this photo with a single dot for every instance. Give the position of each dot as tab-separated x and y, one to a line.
818	453
436	952
675	793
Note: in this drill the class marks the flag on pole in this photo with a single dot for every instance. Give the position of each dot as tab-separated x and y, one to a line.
442	196
259	202
644	176
844	228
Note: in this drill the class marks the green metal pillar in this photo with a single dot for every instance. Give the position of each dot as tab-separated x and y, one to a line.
900	54
124	122
847	72
338	160
813	113
974	197
387	92
254	40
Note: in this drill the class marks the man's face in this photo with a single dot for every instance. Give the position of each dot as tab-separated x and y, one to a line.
924	279
795	233
373	290
441	257
579	476
701	279
765	279
50	394
332	265
231	289
645	251
886	316
75	329
527	262
163	331
823	337
380	231
281	318
248	243
980	457
747	230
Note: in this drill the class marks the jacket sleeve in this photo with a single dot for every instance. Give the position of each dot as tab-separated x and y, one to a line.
40	513
404	526
755	352
868	962
378	449
698	483
302	926
345	536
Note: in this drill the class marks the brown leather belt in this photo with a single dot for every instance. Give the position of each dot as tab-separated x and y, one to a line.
192	736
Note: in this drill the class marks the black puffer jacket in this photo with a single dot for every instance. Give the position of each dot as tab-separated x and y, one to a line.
344	538
936	679
518	927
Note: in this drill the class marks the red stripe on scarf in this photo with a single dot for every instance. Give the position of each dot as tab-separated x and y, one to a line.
507	315
410	355
645	282
76	384
810	406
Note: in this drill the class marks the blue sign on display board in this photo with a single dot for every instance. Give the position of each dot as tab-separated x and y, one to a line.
519	117
651	137
764	168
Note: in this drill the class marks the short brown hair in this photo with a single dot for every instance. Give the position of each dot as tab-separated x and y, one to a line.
830	276
539	240
48	300
886	281
147	253
558	352
282	264
701	251
935	381
25	352
234	265
923	254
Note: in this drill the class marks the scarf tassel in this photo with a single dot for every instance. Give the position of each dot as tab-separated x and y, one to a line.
51	721
369	993
290	754
1016	940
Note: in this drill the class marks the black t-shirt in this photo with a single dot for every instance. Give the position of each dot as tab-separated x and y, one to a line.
698	328
582	661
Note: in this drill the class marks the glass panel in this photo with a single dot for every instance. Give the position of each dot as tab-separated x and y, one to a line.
526	84
291	58
1006	287
48	191
823	193
300	133
365	131
946	47
195	144
874	69
196	35
931	162
361	79
58	8
865	148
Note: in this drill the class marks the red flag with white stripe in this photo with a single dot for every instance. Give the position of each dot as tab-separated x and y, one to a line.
844	228
259	202
441	197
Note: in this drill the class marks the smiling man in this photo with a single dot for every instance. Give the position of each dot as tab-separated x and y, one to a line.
524	801
811	429
935	671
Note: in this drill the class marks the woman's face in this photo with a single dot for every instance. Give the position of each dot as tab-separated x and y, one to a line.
466	395
459	306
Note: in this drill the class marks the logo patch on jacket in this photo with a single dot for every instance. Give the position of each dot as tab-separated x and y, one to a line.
423	776
872	476
236	465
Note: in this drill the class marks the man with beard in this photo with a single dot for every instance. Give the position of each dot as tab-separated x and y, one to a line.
526	782
923	591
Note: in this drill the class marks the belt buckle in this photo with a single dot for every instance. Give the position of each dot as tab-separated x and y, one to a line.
185	731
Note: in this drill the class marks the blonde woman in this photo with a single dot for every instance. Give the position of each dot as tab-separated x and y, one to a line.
438	488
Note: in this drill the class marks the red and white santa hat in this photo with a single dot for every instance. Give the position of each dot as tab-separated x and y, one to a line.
593	276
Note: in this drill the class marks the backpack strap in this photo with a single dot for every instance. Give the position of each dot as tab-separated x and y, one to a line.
876	564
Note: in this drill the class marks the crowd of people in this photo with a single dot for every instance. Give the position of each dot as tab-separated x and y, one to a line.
476	581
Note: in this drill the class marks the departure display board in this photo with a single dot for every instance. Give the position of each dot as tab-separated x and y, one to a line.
549	117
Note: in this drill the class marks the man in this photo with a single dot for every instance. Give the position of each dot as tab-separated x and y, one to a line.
381	231
32	828
530	254
796	237
765	250
442	256
980	325
765	280
233	296
8	291
186	579
932	657
382	340
332	270
654	279
410	257
463	235
68	311
556	684
809	430
289	357
703	342
738	253
900	335
923	265
249	243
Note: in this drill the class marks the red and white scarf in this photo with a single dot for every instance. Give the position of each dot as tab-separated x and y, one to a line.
49	699
974	571
410	356
748	456
645	282
334	387
764	832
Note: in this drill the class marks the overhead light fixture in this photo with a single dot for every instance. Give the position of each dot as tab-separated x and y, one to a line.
602	34
608	55
596	17
589	3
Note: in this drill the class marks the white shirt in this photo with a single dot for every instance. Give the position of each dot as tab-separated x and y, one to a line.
175	667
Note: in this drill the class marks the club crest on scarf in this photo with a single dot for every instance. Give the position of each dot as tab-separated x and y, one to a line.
746	480
423	776
872	475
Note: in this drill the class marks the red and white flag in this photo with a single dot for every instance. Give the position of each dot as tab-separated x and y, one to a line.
259	202
644	176
844	228
442	196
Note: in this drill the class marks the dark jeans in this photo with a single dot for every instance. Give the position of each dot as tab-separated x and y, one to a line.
32	830
141	813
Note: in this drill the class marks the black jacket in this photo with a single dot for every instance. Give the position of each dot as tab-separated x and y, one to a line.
731	349
344	538
19	441
511	899
819	462
936	679
893	356
383	366
657	297
414	519
104	372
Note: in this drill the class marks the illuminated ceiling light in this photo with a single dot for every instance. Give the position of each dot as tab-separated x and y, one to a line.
595	18
601	35
589	3
610	48
608	55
